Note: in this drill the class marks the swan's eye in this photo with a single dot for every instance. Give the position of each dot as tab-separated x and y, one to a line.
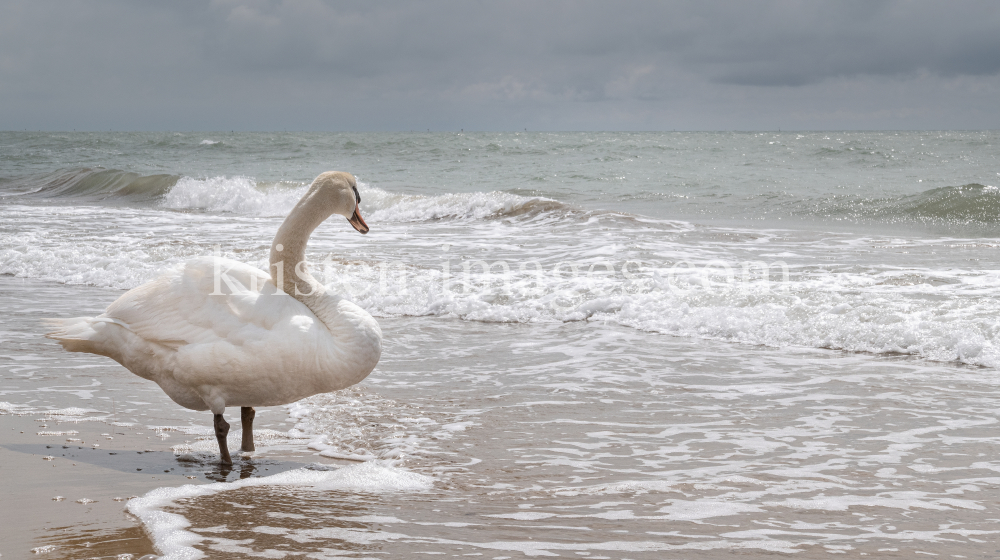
356	195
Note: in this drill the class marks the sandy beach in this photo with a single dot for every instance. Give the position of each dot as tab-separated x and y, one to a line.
65	497
69	499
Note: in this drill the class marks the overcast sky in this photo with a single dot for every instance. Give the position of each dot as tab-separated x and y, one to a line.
561	65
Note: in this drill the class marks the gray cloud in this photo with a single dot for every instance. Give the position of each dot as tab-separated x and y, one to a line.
809	43
311	64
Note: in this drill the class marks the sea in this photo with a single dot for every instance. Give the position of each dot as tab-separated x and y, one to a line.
596	345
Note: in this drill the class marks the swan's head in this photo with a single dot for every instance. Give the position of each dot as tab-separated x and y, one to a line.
339	190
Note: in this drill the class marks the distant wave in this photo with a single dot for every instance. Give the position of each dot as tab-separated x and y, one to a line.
972	204
393	207
92	184
959	205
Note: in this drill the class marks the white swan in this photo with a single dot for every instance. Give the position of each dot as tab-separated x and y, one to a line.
206	335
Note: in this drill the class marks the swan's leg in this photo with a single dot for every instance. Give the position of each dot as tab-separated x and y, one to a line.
221	431
247	414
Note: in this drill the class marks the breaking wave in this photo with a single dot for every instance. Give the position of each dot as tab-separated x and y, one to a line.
247	196
239	195
243	195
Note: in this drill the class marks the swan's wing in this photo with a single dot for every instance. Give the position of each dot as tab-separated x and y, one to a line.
204	301
208	340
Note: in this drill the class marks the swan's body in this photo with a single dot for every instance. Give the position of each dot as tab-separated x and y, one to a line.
246	348
214	333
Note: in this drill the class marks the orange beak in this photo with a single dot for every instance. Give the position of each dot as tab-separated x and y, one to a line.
358	222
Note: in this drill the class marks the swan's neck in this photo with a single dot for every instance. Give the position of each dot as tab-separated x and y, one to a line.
288	250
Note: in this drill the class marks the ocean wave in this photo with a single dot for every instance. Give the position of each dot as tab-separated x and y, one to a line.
972	204
239	195
244	195
884	313
93	184
248	196
393	207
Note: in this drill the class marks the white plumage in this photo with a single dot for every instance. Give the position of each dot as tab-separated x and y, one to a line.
214	332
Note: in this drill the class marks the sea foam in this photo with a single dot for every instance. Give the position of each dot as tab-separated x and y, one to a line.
558	263
168	530
241	195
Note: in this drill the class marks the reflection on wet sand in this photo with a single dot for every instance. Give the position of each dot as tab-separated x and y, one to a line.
165	462
67	499
87	542
257	521
243	468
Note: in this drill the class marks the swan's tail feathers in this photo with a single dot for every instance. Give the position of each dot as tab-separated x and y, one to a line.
80	334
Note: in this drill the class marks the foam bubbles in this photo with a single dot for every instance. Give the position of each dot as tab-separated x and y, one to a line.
14	409
207	447
357	426
240	195
169	530
244	195
688	510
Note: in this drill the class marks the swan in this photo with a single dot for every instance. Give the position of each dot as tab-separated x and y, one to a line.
214	332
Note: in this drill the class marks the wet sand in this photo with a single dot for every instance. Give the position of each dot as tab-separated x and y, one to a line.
34	517
66	499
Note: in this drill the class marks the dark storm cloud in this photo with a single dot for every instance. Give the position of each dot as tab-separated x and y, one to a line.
791	44
563	46
365	65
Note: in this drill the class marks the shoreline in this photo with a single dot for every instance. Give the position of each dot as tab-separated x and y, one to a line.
91	515
95	483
